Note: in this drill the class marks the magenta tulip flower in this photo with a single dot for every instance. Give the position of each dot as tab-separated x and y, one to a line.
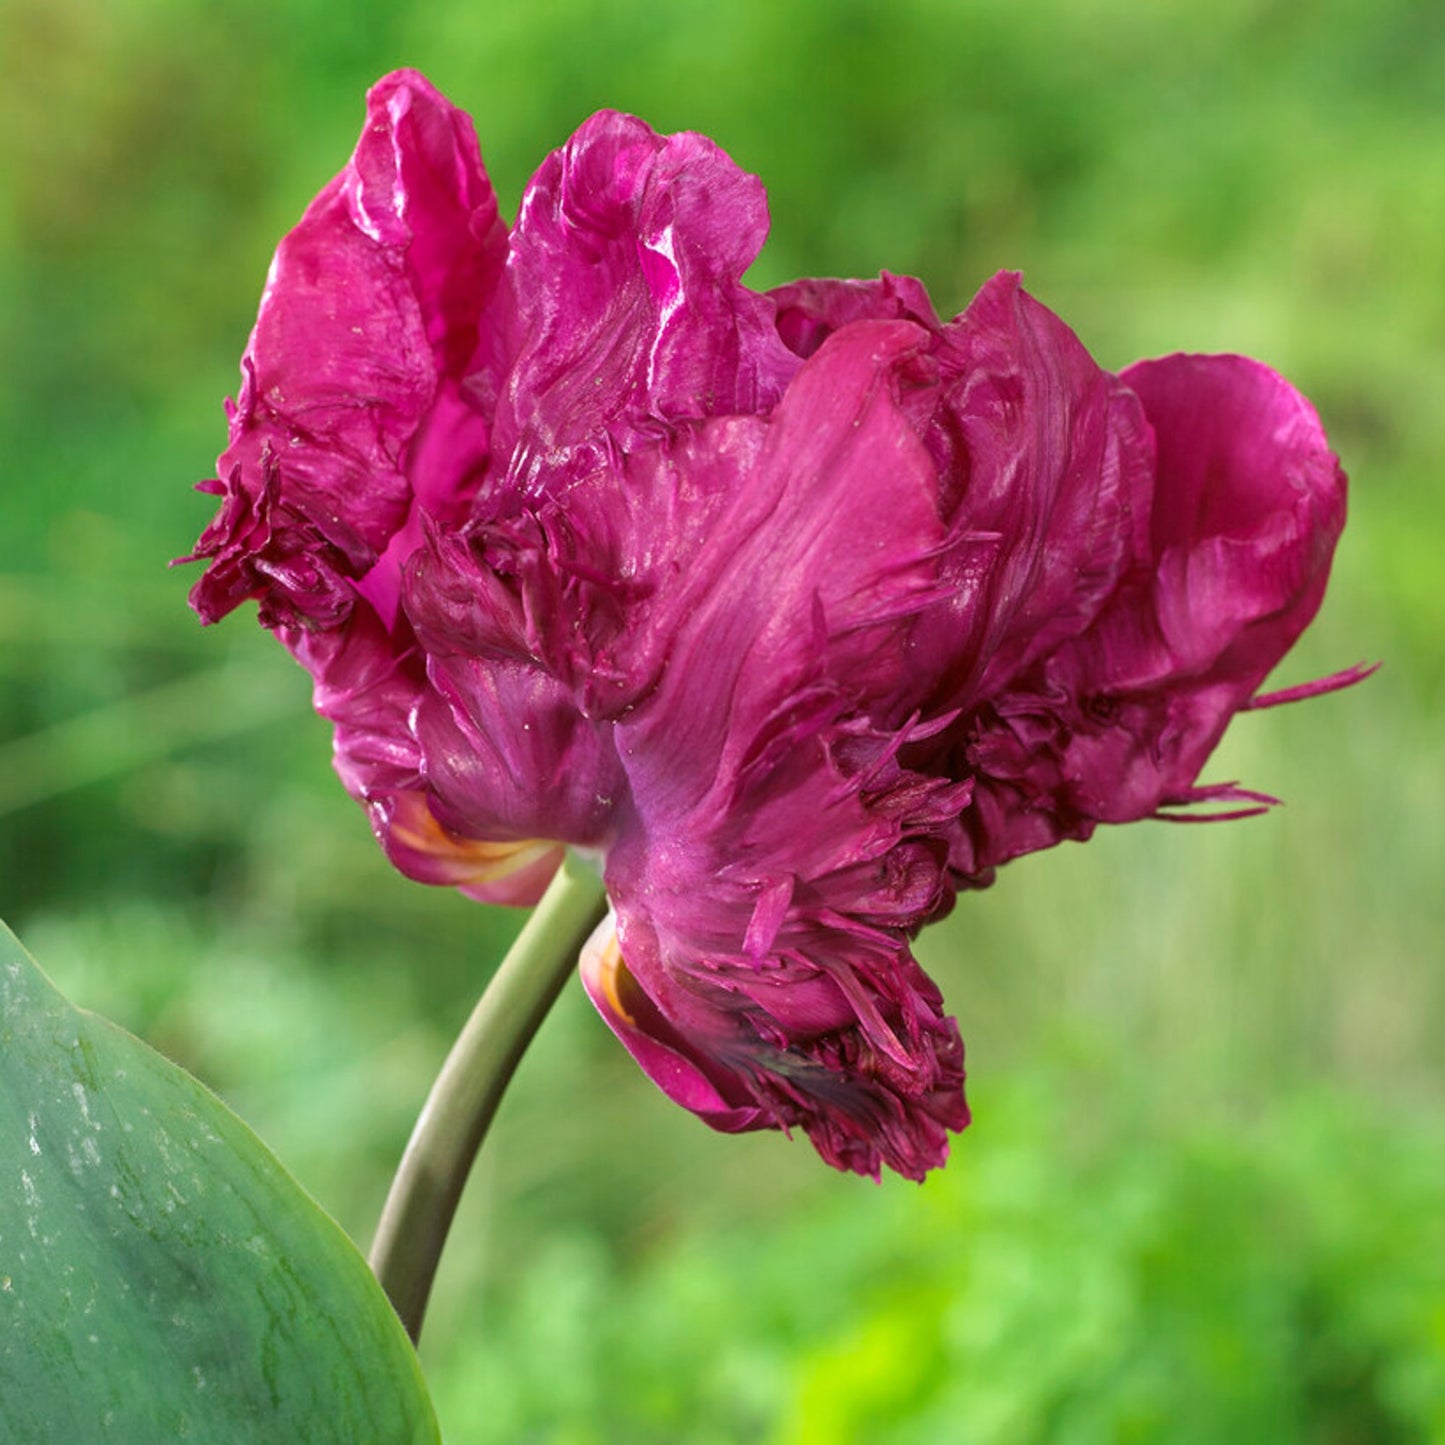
798	611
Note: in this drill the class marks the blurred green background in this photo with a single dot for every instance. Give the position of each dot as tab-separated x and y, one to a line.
1204	1196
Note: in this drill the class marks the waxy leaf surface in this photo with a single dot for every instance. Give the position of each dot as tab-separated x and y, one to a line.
161	1276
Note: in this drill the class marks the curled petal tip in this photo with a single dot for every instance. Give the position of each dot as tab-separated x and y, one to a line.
1335	682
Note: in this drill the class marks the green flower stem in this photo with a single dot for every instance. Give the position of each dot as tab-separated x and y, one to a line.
454	1121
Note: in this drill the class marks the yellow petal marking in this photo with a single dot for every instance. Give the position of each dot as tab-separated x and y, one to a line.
468	860
607	971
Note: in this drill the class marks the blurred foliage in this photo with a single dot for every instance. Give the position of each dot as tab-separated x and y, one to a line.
1203	1196
1070	1284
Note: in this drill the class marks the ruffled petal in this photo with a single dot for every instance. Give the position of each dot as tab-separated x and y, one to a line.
1043	470
507	758
1049	460
810	311
832	1028
624	309
774	857
1249	504
1117	722
774	565
352	421
370	301
507	752
366	681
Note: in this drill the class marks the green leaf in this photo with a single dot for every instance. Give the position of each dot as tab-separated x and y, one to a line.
161	1276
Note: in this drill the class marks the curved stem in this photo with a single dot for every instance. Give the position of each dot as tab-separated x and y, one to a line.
453	1122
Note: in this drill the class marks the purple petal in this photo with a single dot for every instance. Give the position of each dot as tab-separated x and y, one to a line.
1117	723
810	311
812	548
847	1043
366	682
490	872
625	311
1248	506
506	750
352	419
370	301
1051	459
507	757
686	1076
775	857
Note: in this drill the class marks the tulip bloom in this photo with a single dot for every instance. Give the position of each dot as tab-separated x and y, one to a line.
800	611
